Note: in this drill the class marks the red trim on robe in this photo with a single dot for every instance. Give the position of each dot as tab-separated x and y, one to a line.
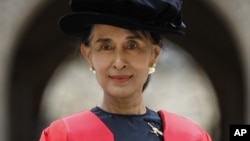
86	126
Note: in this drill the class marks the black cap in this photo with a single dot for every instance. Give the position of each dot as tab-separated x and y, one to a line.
160	16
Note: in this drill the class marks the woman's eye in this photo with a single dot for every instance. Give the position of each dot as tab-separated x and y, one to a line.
106	47
132	45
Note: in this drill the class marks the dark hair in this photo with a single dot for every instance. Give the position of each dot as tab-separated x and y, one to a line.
85	35
154	37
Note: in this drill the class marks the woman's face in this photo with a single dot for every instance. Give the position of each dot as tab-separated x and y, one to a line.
121	59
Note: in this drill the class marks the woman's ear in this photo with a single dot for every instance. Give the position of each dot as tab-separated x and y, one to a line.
156	53
85	51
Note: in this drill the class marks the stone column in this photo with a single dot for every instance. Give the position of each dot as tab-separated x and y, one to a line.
15	15
236	14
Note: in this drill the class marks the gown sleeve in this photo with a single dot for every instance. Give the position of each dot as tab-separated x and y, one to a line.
178	128
206	137
55	132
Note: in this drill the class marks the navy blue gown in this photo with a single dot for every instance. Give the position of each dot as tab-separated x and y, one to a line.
131	127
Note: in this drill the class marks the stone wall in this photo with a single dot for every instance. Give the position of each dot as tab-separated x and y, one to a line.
15	16
236	14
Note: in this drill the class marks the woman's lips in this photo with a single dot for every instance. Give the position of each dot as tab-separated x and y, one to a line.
120	78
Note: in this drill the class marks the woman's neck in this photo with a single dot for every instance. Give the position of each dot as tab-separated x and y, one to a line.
123	105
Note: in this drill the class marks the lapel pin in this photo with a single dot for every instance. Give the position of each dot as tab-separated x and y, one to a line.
155	130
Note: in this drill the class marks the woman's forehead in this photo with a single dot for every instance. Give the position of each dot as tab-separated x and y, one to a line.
102	30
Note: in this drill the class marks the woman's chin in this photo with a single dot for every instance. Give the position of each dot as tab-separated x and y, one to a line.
121	92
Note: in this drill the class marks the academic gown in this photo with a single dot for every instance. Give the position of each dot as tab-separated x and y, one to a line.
98	125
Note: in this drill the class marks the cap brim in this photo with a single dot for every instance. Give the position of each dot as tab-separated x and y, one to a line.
75	23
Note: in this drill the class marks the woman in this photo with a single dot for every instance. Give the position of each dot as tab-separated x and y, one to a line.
121	40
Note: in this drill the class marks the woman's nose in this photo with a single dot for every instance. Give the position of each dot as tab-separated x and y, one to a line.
120	61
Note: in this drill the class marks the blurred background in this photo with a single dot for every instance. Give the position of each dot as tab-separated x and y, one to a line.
204	75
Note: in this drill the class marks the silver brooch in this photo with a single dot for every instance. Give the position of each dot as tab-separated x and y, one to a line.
155	130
